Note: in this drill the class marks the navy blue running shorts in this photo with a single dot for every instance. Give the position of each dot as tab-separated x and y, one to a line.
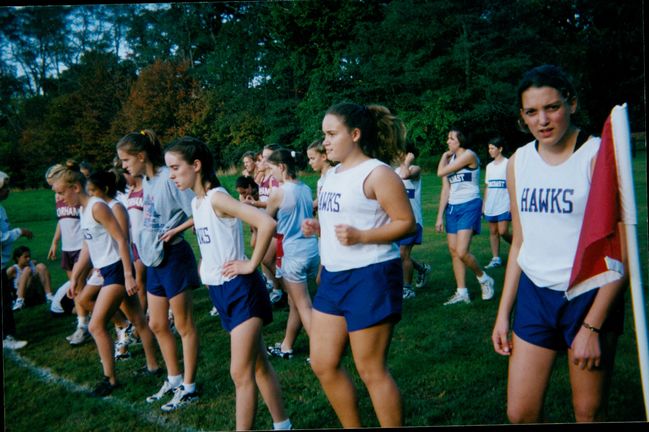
365	296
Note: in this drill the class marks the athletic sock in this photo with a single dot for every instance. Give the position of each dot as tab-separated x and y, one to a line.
189	388
82	321
483	277
283	425
463	291
175	381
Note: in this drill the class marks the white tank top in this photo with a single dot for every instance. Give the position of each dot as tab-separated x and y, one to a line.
465	183
102	247
343	201
497	201
71	235
220	239
413	189
551	202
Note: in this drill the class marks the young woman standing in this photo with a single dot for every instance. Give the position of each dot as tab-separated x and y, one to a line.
235	285
362	208
548	318
291	204
107	245
496	201
171	266
461	205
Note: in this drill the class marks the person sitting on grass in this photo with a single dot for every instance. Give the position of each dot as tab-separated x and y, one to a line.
29	279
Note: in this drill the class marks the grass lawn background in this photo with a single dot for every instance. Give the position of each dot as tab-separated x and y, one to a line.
441	357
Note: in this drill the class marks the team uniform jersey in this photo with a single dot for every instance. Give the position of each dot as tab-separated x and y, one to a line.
135	208
296	206
413	189
551	202
343	201
299	257
497	201
266	186
68	217
464	183
102	247
220	239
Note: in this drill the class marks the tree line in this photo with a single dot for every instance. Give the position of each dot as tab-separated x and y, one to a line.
240	75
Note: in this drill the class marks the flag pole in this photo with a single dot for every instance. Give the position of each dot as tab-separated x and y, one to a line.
622	140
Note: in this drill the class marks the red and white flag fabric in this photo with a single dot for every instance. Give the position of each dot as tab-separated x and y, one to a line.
598	260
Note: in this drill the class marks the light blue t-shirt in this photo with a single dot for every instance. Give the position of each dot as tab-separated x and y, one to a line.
296	206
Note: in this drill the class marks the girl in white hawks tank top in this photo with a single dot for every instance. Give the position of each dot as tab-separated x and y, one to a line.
107	245
459	169
496	200
363	208
217	218
291	204
546	228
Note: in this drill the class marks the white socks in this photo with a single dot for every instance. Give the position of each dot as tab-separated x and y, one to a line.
283	425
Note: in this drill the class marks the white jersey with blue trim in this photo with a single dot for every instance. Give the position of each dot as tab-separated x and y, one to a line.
413	190
497	201
220	239
551	203
342	200
464	183
102	247
296	206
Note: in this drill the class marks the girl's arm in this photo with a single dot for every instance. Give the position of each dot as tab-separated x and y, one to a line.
168	235
102	214
384	185
224	205
274	202
55	242
121	214
443	202
407	170
444	168
500	335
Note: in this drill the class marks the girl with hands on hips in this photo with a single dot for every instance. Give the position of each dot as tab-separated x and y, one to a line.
106	243
549	317
234	283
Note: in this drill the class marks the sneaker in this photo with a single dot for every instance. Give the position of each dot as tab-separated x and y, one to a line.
421	276
164	390
487	287
276	351
408	293
19	304
121	351
81	335
214	312
495	262
458	298
104	388
276	295
13	344
181	398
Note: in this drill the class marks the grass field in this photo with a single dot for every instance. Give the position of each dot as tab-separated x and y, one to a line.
441	357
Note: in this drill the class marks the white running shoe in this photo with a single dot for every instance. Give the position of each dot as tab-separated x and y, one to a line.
214	312
13	344
408	293
80	336
458	298
421	277
164	390
487	287
181	398
495	262
19	304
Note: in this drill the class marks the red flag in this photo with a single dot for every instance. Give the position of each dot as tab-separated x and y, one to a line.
598	260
